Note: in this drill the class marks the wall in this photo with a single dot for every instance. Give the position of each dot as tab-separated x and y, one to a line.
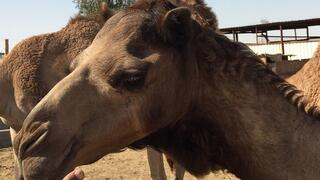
288	68
298	50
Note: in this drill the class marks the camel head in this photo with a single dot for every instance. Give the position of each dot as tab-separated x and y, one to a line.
153	66
139	75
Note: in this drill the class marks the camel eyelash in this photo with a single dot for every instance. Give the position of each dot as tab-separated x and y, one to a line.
129	80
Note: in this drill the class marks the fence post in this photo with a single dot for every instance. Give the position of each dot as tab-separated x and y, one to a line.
6	46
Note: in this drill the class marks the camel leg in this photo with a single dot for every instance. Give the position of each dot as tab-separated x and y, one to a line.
155	160
17	174
177	171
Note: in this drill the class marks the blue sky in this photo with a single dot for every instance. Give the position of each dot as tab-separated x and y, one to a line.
235	12
23	18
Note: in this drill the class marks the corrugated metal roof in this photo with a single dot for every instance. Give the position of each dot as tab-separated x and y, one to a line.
273	26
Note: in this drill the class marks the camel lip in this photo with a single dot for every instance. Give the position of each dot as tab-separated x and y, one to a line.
33	142
37	142
59	167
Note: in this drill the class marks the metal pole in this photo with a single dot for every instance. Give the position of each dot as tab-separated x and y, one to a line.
6	46
295	34
308	36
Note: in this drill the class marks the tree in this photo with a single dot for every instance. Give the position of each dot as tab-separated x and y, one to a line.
93	6
264	21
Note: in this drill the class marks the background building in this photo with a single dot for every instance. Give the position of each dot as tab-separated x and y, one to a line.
284	46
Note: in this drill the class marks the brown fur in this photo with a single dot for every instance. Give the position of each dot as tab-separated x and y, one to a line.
195	142
201	162
307	79
206	18
200	11
205	101
253	69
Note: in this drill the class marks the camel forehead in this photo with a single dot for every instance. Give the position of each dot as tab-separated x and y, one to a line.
122	44
130	19
128	35
122	25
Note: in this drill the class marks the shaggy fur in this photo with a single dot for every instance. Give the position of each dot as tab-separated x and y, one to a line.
199	10
193	141
252	69
36	64
307	79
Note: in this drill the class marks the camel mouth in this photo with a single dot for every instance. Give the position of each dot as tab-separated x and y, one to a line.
33	142
58	166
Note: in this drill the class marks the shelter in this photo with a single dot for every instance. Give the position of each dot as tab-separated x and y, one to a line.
262	31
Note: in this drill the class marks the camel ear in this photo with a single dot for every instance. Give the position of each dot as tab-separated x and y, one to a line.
193	2
177	27
175	2
106	12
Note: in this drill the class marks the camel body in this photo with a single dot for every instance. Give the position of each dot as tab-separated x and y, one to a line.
36	64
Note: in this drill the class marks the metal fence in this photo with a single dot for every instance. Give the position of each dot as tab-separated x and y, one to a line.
5	140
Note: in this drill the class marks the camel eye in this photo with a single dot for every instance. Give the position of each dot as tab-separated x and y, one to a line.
128	81
131	78
134	81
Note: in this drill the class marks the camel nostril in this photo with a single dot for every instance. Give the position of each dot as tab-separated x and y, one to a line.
30	143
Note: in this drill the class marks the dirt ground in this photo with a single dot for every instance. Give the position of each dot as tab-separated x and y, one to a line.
131	165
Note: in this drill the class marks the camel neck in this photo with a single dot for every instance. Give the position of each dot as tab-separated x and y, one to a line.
269	137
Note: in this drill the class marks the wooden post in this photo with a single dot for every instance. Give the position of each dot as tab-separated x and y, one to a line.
308	36
282	42
257	38
6	46
267	37
234	36
295	34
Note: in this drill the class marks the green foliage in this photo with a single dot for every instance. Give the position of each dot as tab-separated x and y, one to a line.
93	6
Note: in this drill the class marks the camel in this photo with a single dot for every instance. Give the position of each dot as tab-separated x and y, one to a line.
53	61
169	83
36	64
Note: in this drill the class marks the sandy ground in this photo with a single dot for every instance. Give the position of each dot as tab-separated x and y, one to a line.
131	165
